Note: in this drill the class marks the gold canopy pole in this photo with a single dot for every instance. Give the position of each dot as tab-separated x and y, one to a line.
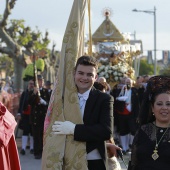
90	36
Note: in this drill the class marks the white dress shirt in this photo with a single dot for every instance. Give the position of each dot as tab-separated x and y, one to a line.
82	101
94	154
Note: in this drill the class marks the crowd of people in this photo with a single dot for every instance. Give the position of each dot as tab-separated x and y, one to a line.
128	95
31	113
141	111
31	110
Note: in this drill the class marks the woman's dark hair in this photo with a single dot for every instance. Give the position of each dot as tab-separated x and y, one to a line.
155	86
100	86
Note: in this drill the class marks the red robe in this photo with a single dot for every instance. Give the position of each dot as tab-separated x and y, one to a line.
9	159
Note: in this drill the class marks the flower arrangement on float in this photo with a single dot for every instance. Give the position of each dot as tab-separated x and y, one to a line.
114	73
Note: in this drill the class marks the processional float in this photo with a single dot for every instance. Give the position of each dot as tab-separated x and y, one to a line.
115	51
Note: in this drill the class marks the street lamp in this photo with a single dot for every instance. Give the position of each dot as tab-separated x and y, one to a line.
153	12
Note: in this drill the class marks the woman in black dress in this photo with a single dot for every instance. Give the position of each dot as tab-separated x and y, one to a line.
151	145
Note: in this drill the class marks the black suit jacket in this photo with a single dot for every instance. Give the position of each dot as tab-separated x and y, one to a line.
24	123
98	122
38	111
135	102
24	101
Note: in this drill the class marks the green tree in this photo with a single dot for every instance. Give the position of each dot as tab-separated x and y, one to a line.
19	41
145	68
166	70
6	63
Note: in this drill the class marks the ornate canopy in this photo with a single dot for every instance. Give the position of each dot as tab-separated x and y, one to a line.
107	31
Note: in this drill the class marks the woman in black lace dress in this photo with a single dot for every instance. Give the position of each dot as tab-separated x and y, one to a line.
151	145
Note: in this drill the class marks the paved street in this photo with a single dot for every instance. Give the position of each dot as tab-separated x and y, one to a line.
126	159
29	163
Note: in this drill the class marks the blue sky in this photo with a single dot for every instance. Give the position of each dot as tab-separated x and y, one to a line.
52	15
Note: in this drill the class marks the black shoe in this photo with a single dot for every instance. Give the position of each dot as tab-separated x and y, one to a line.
32	151
22	152
38	156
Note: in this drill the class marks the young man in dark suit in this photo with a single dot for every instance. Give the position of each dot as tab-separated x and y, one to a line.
97	113
39	103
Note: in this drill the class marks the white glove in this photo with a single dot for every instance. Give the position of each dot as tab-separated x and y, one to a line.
42	101
65	128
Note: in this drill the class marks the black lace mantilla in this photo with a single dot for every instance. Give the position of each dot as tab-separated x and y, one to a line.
150	128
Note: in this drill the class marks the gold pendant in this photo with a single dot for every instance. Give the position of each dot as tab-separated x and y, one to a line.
155	155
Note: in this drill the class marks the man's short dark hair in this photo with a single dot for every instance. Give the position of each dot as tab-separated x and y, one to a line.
87	61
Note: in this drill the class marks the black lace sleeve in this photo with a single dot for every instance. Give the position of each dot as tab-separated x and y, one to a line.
134	161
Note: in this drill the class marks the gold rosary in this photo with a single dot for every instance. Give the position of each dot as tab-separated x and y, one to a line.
155	154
